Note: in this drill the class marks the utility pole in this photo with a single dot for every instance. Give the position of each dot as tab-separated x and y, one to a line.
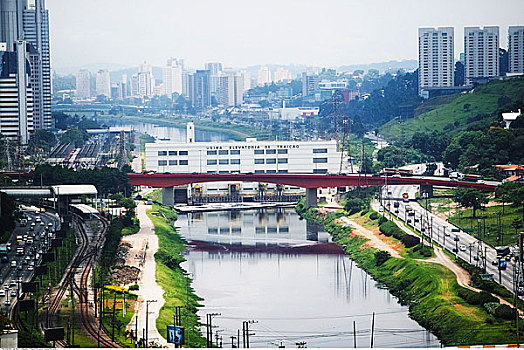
209	329
354	334
372	328
147	321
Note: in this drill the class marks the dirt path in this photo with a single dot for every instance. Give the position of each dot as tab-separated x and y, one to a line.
374	240
148	287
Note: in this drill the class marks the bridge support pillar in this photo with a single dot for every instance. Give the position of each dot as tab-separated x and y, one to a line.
311	197
168	196
426	189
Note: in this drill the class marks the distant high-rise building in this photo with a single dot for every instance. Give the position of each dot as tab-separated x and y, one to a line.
264	76
481	53
134	85
516	49
16	97
11	22
124	86
103	83
458	75
503	61
146	81
281	74
246	78
230	89
201	92
214	67
83	84
435	57
310	83
172	76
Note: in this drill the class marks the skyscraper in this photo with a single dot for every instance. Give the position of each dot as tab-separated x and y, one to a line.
516	49
172	76
103	83
16	98
264	76
83	84
435	57
214	67
36	32
309	83
145	81
11	23
481	53
281	74
201	92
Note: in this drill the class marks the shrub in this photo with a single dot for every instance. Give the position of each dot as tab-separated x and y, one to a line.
491	307
374	215
354	205
381	257
506	312
133	287
389	228
410	241
382	220
475	298
364	212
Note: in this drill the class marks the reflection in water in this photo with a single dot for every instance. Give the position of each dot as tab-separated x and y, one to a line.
170	133
295	295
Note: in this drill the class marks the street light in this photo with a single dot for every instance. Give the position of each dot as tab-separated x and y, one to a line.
147	320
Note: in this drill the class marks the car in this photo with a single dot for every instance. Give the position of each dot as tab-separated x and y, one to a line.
38	219
396	204
20	267
447	234
42	235
455	250
13	283
476	258
4	259
409	221
520	291
7	302
417	220
14	293
8	246
19	280
29	241
30	268
24	262
13	263
494	262
50	224
42	223
456	238
462	248
2	293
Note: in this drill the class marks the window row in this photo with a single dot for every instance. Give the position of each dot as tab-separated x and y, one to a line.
172	153
173	162
223	152
271	161
270	151
223	161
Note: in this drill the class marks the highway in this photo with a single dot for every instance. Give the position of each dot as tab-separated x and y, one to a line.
438	230
20	268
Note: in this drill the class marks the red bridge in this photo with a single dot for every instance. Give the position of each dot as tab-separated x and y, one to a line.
303	180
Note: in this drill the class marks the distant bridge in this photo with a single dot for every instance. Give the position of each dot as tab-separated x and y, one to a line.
304	180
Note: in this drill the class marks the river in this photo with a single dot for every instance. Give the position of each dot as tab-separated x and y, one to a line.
168	133
270	267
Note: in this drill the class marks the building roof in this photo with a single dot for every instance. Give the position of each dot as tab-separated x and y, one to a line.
74	190
510	167
85	209
513	178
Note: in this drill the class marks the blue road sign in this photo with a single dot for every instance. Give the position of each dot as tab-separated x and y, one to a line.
170	333
179	336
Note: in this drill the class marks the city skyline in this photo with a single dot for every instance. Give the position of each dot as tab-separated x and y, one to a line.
265	33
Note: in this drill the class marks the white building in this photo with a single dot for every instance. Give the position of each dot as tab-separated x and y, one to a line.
172	77
516	49
145	81
103	83
292	113
250	156
435	57
246	78
481	53
264	76
229	90
83	84
281	74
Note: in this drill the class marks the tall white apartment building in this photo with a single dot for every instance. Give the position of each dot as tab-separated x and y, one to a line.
145	81
281	74
103	83
481	52
172	77
435	57
83	84
264	76
516	49
230	89
246	78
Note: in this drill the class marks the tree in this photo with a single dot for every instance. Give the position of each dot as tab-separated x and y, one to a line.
43	139
470	198
76	136
516	224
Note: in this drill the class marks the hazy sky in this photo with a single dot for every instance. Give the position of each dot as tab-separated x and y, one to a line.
247	32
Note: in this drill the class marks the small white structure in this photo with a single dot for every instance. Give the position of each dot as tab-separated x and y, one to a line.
509	117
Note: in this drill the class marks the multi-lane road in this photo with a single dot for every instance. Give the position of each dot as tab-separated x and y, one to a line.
20	267
434	228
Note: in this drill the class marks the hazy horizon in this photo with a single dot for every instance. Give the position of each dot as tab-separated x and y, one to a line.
330	33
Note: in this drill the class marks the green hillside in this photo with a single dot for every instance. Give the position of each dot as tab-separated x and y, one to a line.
459	112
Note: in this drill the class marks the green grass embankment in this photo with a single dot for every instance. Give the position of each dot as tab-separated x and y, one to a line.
430	290
113	296
456	114
173	279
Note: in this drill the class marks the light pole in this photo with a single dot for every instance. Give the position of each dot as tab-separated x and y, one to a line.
147	320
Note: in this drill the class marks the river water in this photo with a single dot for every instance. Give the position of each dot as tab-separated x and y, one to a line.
270	267
169	133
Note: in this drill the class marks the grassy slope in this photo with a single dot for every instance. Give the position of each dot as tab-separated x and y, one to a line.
482	100
431	293
177	286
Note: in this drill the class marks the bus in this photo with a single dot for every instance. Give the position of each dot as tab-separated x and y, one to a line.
471	177
405	172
